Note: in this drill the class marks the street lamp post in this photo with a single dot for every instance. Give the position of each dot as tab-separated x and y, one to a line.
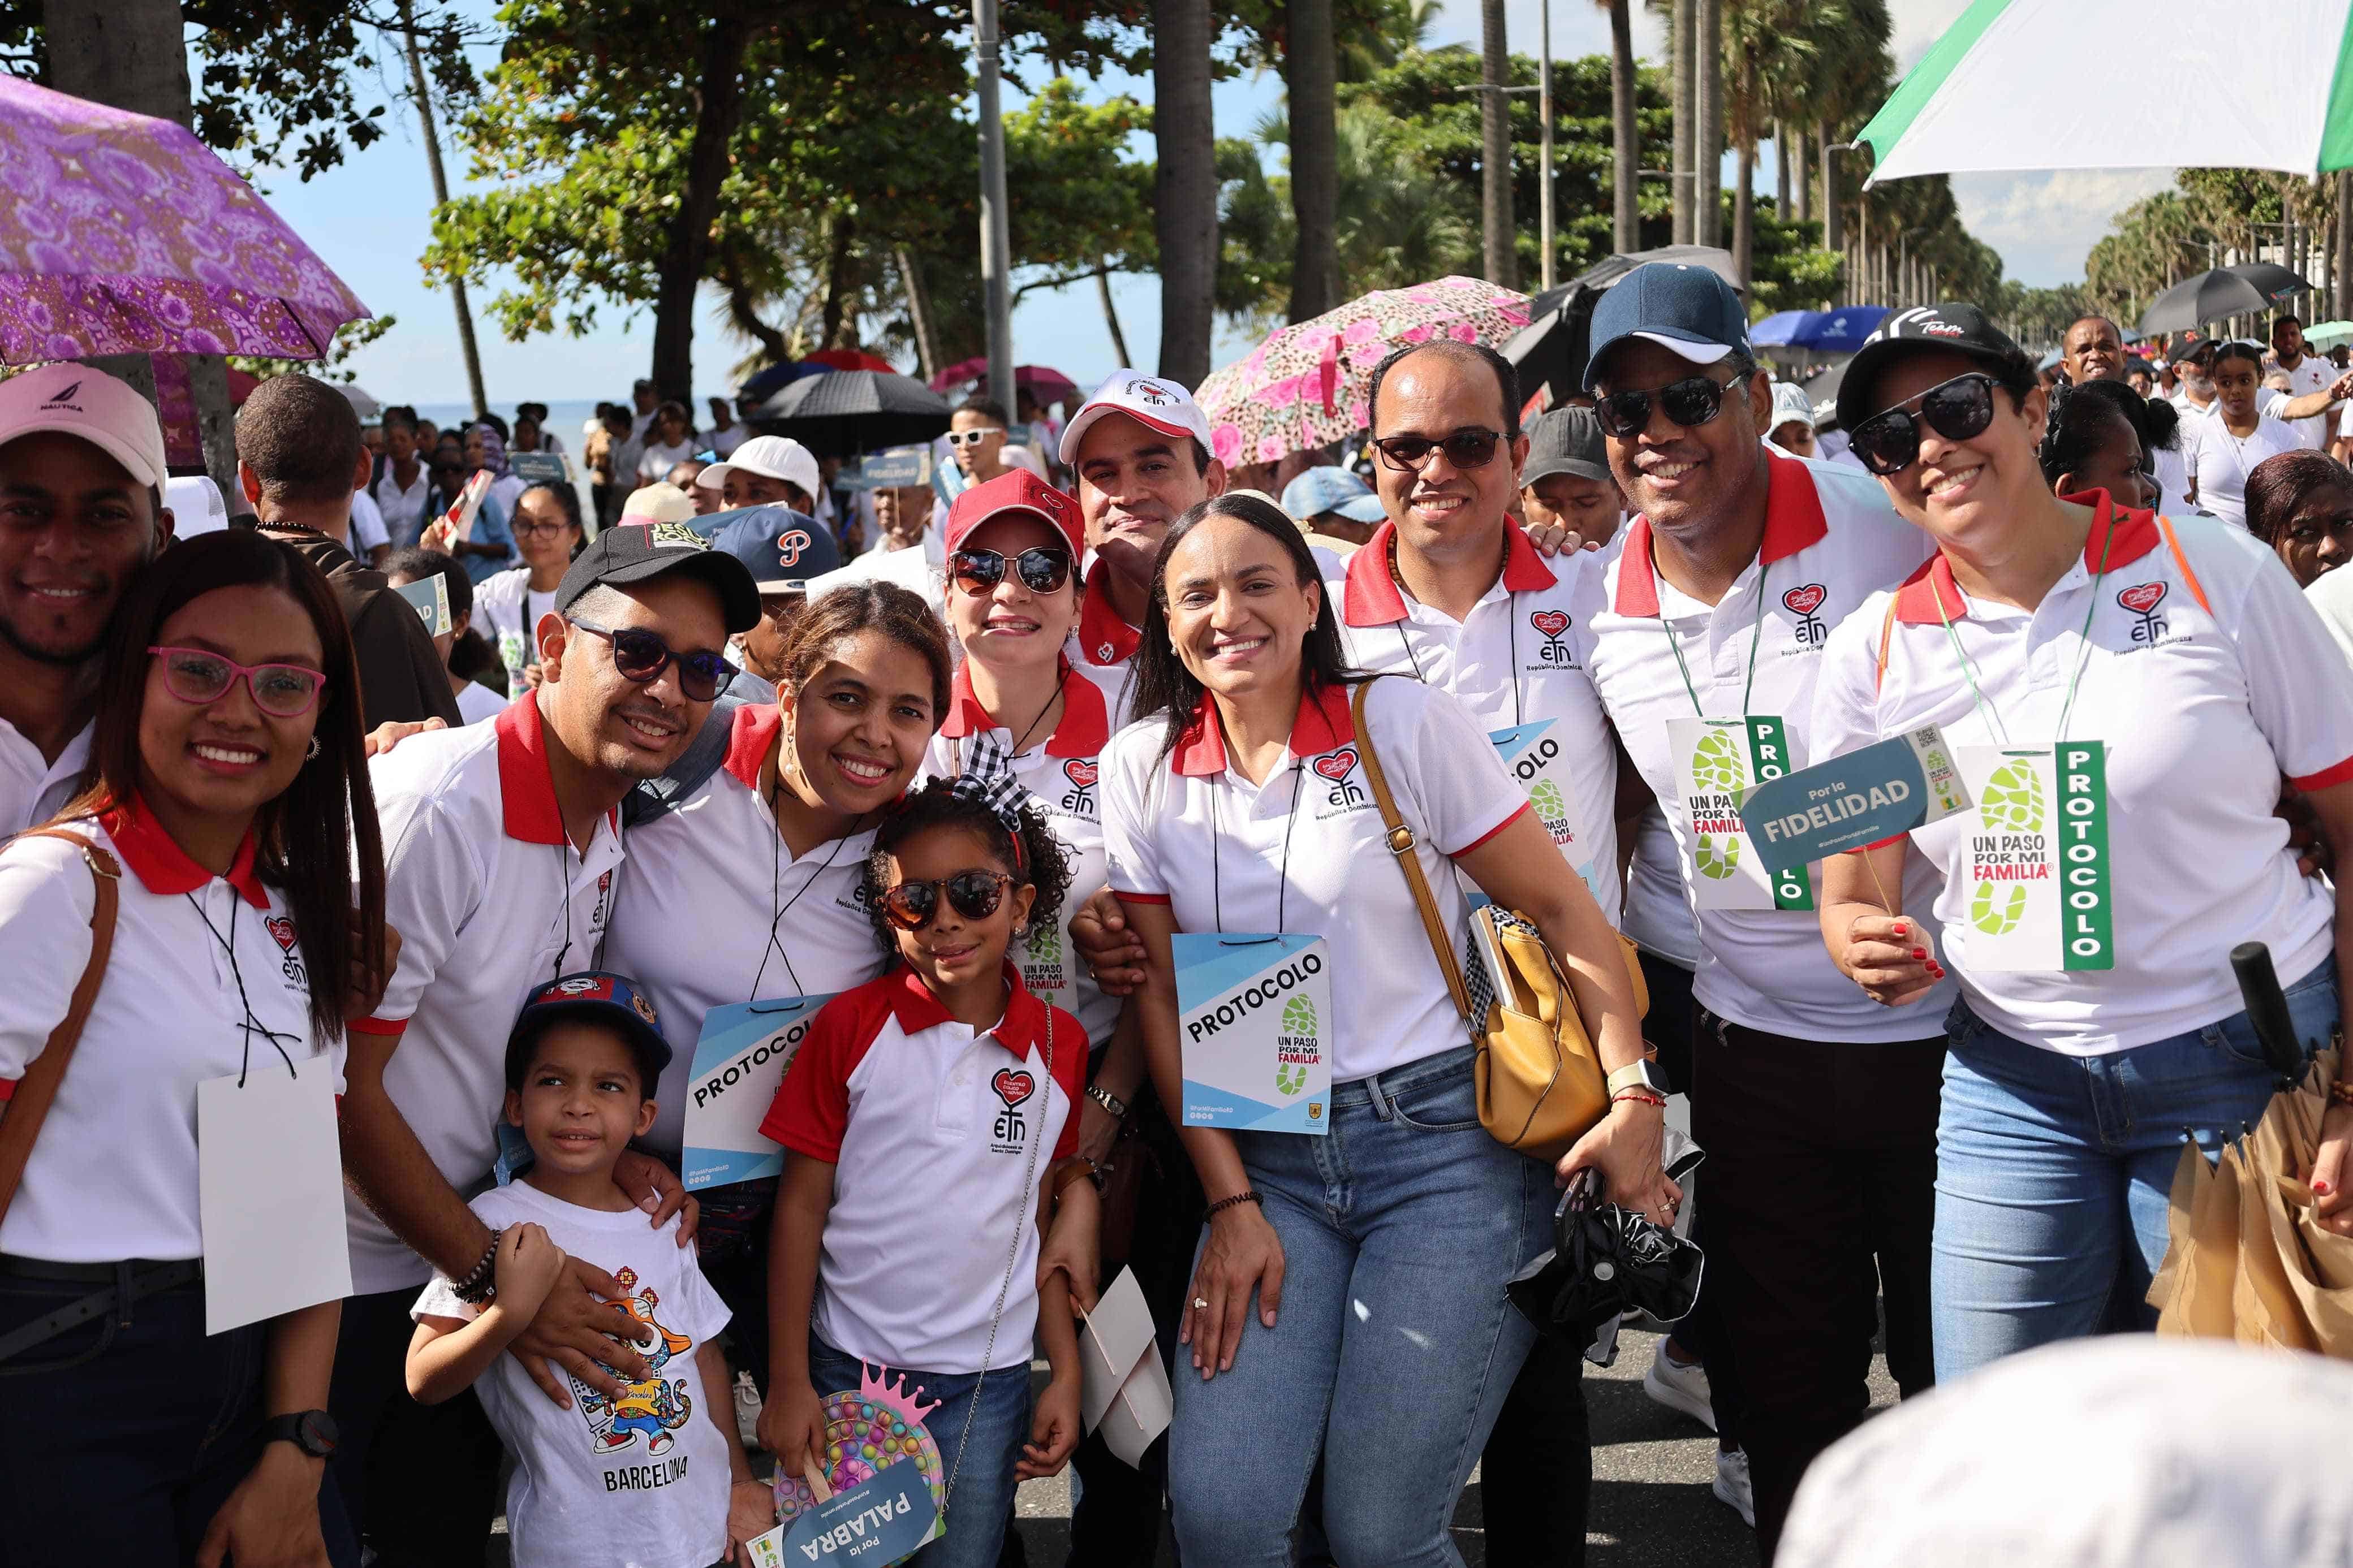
1544	115
996	243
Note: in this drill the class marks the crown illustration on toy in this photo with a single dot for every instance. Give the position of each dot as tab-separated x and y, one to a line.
893	1395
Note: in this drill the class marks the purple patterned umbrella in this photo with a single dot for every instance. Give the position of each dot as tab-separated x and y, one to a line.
1305	386
121	234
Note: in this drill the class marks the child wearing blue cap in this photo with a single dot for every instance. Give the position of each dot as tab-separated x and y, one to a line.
653	1475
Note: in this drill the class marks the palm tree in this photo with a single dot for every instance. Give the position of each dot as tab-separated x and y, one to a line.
1772	43
1501	249
1187	185
1310	64
1682	17
1625	139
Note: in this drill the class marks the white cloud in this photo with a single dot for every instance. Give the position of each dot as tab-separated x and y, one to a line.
2044	225
1918	24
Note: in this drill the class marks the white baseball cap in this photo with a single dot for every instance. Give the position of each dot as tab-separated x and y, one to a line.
1151	400
771	457
661	502
75	400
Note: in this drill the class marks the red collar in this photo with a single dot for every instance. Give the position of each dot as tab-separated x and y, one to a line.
164	868
1794	520
2124	539
1023	1025
1104	638
753	735
1372	597
1083	732
1322	723
526	787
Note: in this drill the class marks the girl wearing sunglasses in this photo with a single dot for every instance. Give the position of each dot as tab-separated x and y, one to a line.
228	809
944	1153
2122	694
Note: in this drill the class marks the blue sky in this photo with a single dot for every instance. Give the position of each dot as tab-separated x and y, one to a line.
370	219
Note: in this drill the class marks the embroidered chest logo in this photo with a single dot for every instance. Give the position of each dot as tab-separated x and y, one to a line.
1803	601
1338	770
603	901
1078	800
282	931
2142	599
1554	626
1012	1128
1106	654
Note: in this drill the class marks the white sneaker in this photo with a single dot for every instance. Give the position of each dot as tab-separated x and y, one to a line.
747	1411
1680	1386
1732	1486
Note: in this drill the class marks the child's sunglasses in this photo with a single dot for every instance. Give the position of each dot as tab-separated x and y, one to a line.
1042	569
1694	400
1889	442
975	895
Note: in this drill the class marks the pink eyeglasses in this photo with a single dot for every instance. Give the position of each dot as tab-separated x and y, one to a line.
199	676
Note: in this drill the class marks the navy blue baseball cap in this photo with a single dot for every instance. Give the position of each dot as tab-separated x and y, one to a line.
781	548
1690	309
593	995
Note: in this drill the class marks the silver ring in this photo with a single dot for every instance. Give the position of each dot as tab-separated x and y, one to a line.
1200	1304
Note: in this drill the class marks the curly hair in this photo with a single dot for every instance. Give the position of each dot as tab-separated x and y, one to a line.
2071	432
1040	861
885	607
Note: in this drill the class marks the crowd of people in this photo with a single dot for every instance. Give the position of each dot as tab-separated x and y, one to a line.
356	1168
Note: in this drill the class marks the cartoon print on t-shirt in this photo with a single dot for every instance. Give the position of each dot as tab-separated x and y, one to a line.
656	1407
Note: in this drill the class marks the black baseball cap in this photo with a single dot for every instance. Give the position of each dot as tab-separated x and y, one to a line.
1690	309
630	552
781	548
593	995
1952	327
1566	441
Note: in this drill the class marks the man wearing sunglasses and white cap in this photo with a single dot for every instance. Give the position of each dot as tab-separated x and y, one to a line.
1817	1106
501	847
81	514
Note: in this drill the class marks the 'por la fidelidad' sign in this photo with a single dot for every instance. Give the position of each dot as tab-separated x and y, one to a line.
1874	793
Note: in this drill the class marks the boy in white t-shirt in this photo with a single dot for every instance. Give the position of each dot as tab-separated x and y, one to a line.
656	1477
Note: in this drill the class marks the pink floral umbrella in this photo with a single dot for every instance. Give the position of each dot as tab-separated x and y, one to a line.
1306	385
121	234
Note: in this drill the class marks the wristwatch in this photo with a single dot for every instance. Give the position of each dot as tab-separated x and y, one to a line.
1643	1074
312	1431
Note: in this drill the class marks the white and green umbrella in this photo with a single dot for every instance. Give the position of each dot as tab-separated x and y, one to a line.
2032	84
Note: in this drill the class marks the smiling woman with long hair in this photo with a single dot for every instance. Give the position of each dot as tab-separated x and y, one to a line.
231	788
1237	802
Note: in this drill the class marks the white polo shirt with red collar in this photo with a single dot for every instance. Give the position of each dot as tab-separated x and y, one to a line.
490	900
1304	853
2207	676
931	1127
1830	540
1063	774
708	882
113	1173
1512	661
32	788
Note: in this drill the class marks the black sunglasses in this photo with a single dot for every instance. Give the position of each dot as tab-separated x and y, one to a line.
1694	400
642	656
1463	449
975	895
1889	442
1041	570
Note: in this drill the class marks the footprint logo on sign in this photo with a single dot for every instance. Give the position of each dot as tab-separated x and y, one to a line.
1717	855
1994	915
2011	801
1718	764
1298	1021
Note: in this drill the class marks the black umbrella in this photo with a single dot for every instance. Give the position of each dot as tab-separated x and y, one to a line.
2278	283
2209	297
1551	349
1824	388
853	411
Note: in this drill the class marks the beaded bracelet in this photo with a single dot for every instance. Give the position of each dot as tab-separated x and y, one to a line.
480	1282
1645	1096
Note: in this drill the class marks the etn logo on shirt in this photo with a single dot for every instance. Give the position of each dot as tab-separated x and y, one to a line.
1080	800
282	931
2142	599
1553	625
1011	1130
1803	601
1338	770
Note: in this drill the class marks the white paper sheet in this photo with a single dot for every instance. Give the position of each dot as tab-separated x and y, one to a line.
270	1192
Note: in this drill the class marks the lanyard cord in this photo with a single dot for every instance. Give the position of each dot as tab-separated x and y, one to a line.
1510	628
1986	710
777	911
563	896
1290	818
1668	626
252	1026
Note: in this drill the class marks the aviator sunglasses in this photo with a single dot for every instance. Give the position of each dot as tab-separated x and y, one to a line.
975	895
1043	569
1889	442
281	690
1694	400
642	656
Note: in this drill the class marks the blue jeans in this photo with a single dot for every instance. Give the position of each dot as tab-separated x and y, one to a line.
2055	1174
1394	1344
982	1501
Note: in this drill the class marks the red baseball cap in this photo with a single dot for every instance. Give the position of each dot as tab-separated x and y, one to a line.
1016	489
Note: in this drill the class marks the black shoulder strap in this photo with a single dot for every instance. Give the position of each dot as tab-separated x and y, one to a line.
655	798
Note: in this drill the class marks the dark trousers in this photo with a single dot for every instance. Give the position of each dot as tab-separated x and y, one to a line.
1821	1176
126	1434
421	1480
1536	1478
1117	1521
